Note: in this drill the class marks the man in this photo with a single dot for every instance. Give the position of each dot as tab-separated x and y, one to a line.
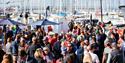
32	48
24	58
1	53
57	48
1	36
39	35
71	54
14	46
95	58
71	25
116	54
80	52
101	38
48	55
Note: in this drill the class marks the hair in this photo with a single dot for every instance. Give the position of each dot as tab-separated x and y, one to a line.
36	41
9	39
68	59
7	58
93	46
22	41
46	48
22	53
87	58
18	36
5	61
114	45
38	53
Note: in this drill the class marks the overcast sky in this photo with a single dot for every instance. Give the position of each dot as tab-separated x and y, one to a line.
107	4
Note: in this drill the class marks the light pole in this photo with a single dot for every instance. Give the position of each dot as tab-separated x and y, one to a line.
101	10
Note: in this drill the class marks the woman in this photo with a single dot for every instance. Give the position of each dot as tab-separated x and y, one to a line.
39	55
48	56
106	53
8	46
22	44
7	58
87	58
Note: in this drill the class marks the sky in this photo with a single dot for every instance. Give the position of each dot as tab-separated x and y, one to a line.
107	4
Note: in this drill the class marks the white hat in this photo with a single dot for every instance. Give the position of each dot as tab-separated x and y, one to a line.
51	33
45	48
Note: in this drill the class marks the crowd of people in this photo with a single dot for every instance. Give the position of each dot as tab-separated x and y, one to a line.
81	44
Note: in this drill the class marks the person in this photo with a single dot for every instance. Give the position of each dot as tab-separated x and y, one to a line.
87	58
10	32
57	48
39	35
26	37
1	36
24	58
46	43
70	54
100	41
8	46
60	60
5	61
22	44
48	55
71	25
52	38
80	52
1	53
14	49
112	38
116	35
32	48
79	38
95	58
106	53
7	58
116	54
38	55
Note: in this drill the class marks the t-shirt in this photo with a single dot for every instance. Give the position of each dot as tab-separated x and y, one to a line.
95	58
8	48
108	50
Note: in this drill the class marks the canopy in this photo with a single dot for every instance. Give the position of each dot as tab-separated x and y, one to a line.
44	22
9	22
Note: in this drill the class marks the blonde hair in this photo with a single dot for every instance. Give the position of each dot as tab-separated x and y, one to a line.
87	58
5	60
38	53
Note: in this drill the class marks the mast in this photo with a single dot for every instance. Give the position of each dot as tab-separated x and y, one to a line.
60	6
4	8
101	10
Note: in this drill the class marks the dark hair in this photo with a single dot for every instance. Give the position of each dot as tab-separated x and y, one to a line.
93	46
108	44
22	53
